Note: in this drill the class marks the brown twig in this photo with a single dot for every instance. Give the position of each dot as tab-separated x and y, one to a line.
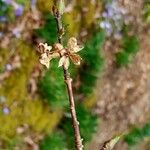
68	81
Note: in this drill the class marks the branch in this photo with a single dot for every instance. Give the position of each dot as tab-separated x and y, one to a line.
68	81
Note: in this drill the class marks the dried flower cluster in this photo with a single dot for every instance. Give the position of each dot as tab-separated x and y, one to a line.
57	50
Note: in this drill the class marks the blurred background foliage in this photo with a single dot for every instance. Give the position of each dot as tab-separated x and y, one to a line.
138	135
147	11
130	47
33	101
34	116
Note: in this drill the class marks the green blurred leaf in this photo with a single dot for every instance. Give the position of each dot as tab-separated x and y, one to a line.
92	62
52	86
130	48
146	130
134	137
56	141
131	44
122	59
49	31
146	11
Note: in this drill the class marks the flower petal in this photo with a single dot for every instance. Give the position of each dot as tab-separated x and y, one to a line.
44	47
54	55
58	46
61	61
77	48
45	60
48	47
76	59
44	56
72	42
41	48
72	45
66	63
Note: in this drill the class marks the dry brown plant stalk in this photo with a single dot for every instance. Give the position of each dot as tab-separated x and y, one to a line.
68	81
64	53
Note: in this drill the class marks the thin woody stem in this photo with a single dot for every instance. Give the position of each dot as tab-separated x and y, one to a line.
68	81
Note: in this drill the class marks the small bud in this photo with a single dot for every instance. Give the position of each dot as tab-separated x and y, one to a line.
61	6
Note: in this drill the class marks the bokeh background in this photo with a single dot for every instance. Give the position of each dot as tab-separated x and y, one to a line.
111	87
